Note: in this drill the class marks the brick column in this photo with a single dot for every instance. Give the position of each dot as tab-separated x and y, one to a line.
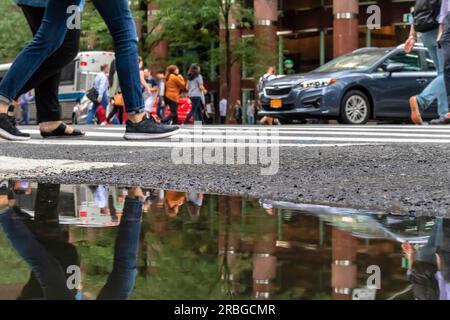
160	51
266	18
344	272
345	32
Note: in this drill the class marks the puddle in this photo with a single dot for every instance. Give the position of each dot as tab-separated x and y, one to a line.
92	242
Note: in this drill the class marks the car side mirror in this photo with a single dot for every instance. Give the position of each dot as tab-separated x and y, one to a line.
395	67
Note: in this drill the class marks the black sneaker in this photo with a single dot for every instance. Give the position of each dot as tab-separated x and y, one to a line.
9	131
148	130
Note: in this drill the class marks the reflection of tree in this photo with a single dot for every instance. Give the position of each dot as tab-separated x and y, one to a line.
225	270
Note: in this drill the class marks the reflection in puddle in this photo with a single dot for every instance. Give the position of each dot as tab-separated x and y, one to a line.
100	242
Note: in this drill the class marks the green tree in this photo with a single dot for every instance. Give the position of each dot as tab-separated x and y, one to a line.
14	31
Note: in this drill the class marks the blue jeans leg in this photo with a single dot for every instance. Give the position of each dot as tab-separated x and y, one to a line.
122	279
45	267
91	115
118	17
436	89
25	114
47	40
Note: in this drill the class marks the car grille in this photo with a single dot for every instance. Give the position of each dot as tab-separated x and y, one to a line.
277	91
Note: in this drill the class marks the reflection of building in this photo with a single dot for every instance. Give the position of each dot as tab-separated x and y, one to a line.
310	32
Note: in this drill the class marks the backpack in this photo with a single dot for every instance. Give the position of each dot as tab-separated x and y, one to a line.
425	15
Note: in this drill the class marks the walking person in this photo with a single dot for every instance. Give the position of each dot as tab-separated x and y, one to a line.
426	18
101	84
175	84
223	110
251	112
161	85
238	112
44	78
270	75
50	37
196	92
24	101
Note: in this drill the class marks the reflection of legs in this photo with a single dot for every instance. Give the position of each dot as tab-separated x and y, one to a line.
122	279
45	267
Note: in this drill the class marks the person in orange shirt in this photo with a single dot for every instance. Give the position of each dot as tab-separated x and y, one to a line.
175	84
174	201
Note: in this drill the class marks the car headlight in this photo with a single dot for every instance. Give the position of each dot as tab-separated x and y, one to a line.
318	83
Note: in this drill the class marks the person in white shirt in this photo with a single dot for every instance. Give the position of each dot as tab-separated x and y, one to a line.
223	106
101	84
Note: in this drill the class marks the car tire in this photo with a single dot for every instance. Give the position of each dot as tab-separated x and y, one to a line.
355	108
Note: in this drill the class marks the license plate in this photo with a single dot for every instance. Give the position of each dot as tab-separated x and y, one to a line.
276	104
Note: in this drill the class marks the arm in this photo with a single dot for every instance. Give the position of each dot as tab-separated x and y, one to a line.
144	83
441	18
411	41
180	82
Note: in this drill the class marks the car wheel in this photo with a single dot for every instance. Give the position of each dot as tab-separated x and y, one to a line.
355	108
74	118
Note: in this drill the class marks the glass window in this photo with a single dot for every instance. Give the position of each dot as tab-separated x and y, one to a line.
359	60
430	62
411	61
68	74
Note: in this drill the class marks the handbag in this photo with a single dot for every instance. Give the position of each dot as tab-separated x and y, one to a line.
92	94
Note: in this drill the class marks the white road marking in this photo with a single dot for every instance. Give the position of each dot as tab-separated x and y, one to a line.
251	136
11	165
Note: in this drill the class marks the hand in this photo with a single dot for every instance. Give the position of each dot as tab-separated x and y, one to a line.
438	262
409	44
439	38
99	99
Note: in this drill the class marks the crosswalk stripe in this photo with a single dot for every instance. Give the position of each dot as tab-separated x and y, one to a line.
168	144
271	135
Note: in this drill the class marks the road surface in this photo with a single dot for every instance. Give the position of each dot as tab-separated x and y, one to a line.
400	169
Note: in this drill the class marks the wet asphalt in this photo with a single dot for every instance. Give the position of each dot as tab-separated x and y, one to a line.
395	178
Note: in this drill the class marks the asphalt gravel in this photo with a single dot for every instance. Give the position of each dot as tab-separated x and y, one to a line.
400	179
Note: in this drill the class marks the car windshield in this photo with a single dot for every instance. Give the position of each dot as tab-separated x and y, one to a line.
353	61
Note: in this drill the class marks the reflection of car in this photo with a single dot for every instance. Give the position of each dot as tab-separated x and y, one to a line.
184	107
369	83
365	224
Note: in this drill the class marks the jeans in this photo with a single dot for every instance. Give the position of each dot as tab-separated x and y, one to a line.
445	43
161	109
122	279
46	79
25	113
250	119
173	106
436	88
49	272
91	115
50	37
196	110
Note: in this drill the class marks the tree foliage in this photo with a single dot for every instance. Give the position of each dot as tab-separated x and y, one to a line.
14	31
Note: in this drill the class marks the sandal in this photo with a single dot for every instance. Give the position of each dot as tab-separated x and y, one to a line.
60	132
